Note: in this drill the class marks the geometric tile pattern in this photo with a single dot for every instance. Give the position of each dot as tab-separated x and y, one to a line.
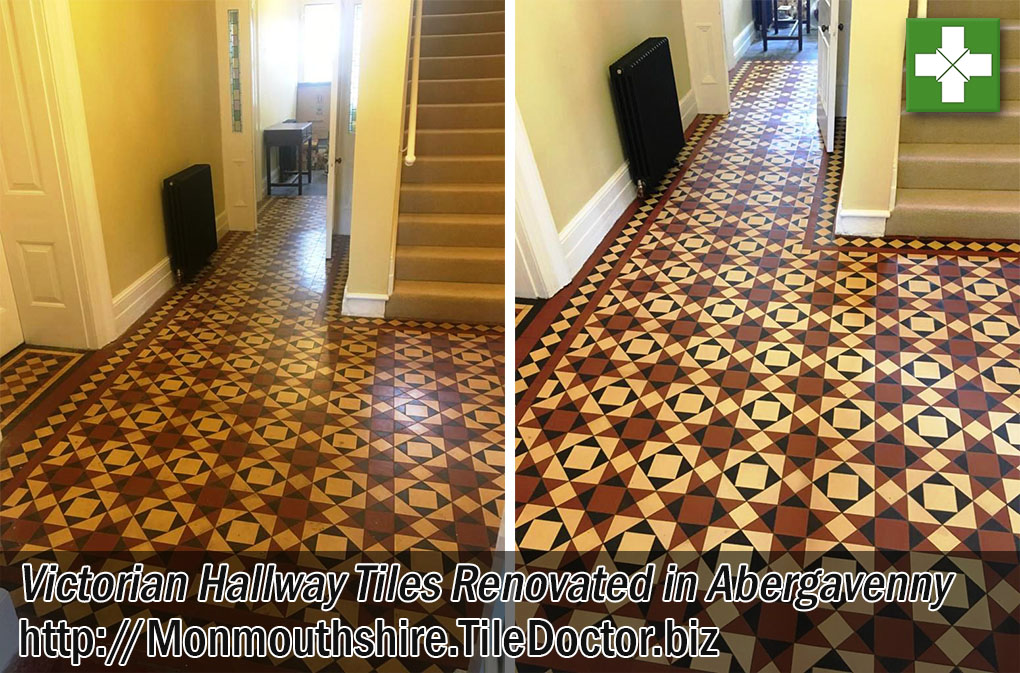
26	374
723	377
721	381
241	415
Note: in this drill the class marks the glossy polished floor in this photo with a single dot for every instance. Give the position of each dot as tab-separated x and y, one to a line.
725	373
728	375
243	414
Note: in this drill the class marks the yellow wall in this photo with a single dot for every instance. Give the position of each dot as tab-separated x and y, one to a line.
736	17
873	107
384	37
563	52
149	82
279	26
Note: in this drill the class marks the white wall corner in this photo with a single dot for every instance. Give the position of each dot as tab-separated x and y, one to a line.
590	225
742	42
364	304
688	108
222	225
540	261
867	223
136	299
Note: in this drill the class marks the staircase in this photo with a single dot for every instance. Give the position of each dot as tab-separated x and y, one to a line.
449	259
959	173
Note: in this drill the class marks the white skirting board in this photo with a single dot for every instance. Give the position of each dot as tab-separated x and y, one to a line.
133	301
591	224
869	223
364	305
742	42
688	108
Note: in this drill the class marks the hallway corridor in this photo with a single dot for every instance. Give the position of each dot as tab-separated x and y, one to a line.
243	414
726	371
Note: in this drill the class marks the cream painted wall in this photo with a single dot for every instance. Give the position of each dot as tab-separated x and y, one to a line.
279	30
149	83
737	17
383	72
563	52
873	107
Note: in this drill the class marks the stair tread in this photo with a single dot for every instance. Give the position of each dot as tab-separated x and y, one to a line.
450	252
484	32
466	130
484	219
1007	107
448	288
459	80
453	186
971	200
439	105
960	152
460	157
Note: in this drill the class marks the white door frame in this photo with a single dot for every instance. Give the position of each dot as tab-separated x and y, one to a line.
84	228
540	261
706	54
239	165
341	140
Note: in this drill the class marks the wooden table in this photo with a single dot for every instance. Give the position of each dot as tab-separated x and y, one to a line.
288	134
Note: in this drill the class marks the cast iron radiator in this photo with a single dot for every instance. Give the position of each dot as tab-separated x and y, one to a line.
647	111
190	219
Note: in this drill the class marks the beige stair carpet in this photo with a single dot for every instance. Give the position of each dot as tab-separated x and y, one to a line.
450	230
959	174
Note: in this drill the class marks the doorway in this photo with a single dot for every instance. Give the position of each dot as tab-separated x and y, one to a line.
297	119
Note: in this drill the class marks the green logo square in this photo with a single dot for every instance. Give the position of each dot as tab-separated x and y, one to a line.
952	65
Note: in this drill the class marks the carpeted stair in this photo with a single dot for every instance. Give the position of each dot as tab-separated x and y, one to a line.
959	173
449	260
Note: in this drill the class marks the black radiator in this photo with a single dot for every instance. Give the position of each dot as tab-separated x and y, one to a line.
647	111
190	219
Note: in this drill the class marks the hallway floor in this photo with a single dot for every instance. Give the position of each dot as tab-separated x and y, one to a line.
722	375
726	374
244	415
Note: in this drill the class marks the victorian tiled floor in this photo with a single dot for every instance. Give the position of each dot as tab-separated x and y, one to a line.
243	414
727	374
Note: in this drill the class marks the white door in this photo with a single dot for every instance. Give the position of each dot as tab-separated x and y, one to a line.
10	323
235	51
341	139
704	35
828	39
36	214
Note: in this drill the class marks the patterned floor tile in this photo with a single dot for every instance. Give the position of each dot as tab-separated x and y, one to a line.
26	374
720	343
244	414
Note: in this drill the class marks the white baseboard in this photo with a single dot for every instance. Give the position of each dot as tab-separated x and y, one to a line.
869	223
591	224
131	303
222	225
364	304
688	108
742	42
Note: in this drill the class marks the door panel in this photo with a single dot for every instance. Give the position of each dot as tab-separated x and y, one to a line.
10	323
234	41
828	39
341	139
34	211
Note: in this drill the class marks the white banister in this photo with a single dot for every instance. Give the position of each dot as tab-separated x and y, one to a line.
922	9
412	117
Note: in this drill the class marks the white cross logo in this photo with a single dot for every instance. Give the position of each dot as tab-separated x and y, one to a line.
952	65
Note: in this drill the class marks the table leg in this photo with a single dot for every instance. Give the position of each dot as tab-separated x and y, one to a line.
309	162
300	173
800	27
269	169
